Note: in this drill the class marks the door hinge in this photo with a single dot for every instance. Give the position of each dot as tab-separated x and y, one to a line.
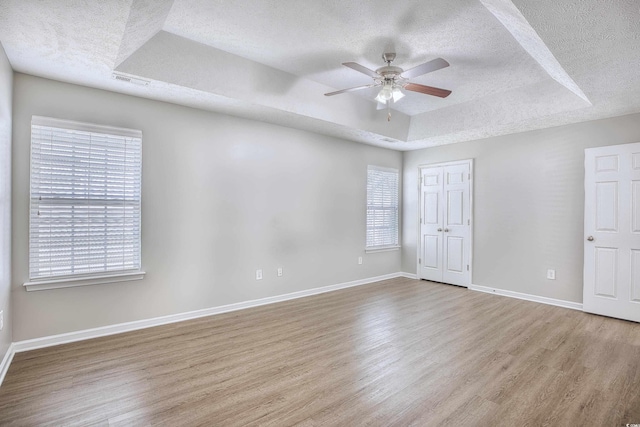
468	222
467	267
419	260
468	176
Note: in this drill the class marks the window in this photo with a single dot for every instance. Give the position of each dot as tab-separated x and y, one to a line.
382	208
85	204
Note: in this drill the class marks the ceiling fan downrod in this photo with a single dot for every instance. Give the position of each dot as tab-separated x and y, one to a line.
388	57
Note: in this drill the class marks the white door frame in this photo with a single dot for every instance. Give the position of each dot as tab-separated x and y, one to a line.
418	238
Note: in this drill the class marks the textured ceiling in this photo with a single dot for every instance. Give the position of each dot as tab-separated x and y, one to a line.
515	66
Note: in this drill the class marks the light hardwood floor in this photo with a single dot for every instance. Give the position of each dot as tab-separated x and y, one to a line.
398	352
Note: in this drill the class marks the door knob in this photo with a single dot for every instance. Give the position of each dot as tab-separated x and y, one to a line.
590	238
439	229
446	230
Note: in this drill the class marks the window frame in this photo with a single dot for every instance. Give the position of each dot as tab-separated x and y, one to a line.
83	279
386	247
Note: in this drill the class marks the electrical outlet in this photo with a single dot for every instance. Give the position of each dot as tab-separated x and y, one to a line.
279	271
258	274
359	260
551	274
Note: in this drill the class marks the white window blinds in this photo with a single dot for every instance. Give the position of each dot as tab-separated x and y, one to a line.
382	207
85	199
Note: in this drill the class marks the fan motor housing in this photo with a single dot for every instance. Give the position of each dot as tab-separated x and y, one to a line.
389	71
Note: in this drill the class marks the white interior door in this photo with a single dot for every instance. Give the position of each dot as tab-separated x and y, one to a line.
445	223
456	269
612	231
431	224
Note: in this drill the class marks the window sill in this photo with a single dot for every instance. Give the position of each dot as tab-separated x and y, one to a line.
382	249
69	282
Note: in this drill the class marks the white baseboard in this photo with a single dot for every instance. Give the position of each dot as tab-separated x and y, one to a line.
528	297
103	331
408	275
6	361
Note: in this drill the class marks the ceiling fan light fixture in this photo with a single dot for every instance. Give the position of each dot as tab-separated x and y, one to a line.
380	99
397	94
385	94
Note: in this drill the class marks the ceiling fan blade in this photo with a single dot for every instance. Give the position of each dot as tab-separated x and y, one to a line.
425	68
428	90
361	68
349	90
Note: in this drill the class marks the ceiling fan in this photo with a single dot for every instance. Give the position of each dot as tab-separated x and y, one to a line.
393	79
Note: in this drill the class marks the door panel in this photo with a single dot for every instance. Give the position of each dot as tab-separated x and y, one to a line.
455	177
455	254
445	223
607	163
606	268
432	178
612	231
607	206
455	210
431	208
431	221
635	275
431	253
635	206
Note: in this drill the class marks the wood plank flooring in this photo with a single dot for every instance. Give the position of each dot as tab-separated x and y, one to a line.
399	352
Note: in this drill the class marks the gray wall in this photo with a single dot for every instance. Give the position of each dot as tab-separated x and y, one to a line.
528	204
222	196
6	91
